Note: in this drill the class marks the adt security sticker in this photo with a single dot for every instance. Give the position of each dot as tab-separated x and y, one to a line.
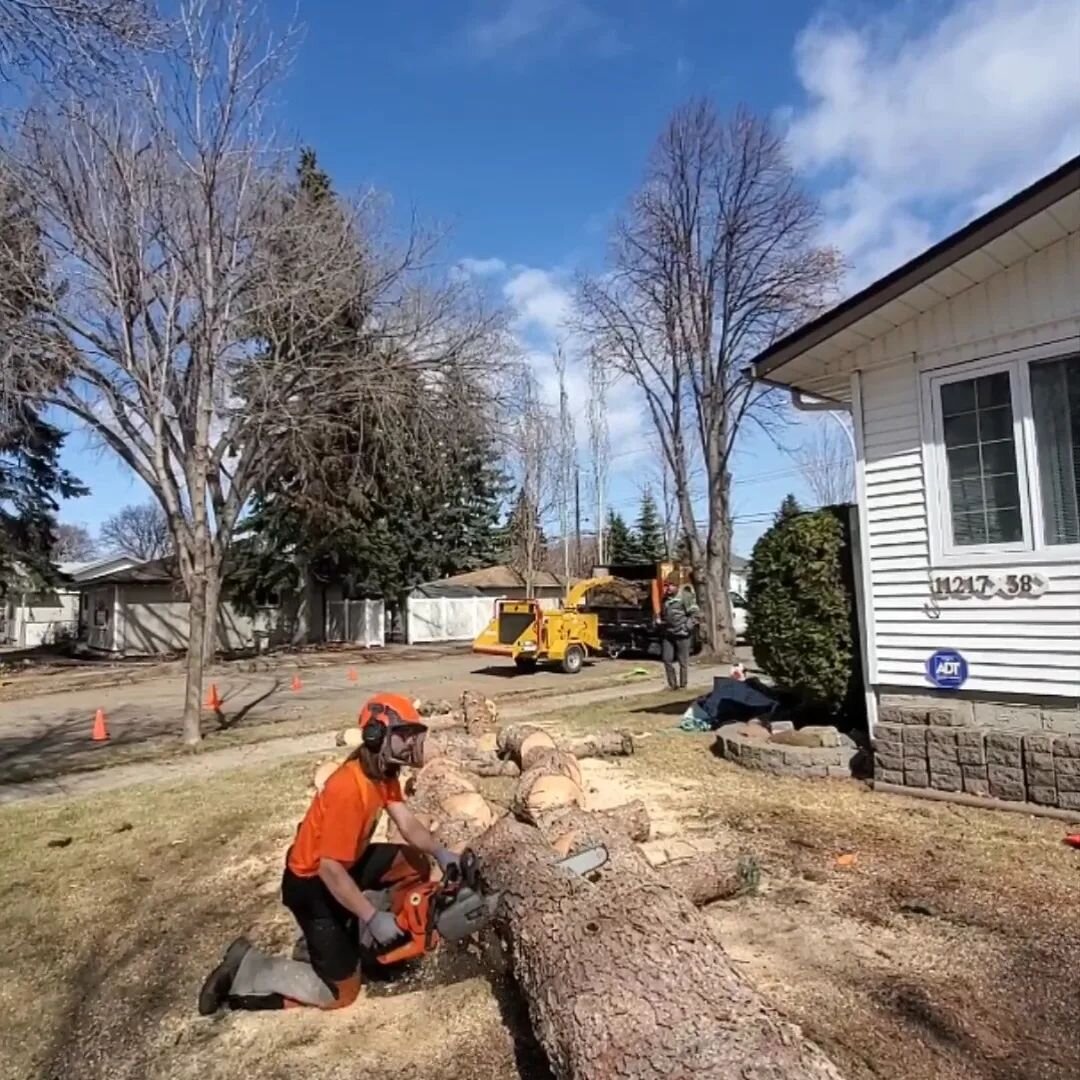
947	669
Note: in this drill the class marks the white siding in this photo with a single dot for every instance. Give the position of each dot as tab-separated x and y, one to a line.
1026	646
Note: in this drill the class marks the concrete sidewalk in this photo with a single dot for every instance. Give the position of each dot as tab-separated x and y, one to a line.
198	766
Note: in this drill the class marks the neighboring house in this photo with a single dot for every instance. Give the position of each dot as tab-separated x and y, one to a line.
500	581
32	618
962	372
141	610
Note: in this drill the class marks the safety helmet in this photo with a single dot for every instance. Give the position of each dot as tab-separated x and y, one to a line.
392	731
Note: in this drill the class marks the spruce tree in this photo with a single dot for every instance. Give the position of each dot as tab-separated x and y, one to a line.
789	508
649	543
620	548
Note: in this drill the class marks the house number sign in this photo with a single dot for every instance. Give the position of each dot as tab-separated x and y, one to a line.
1008	584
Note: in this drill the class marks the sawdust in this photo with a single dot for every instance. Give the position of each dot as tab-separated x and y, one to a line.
947	951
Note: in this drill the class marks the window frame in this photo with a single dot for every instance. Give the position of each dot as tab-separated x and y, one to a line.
1032	547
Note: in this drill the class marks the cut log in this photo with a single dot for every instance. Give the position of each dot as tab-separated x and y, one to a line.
625	979
479	712
552	784
471	809
509	739
600	744
435	783
532	748
710	877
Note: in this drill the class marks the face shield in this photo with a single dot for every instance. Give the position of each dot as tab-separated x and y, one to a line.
403	746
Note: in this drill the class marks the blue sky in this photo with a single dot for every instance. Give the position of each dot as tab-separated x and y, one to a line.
523	125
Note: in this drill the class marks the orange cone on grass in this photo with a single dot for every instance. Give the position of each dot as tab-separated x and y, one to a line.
213	699
100	731
296	684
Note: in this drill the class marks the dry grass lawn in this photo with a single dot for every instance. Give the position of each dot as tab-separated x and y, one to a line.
946	949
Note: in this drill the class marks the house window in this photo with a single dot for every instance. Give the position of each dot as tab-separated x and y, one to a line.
980	455
1055	412
1007	439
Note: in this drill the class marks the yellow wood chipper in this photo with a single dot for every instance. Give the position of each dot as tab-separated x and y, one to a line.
530	635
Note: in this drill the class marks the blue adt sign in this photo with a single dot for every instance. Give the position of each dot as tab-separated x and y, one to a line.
947	669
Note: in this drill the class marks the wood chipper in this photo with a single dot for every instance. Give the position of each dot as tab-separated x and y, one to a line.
525	632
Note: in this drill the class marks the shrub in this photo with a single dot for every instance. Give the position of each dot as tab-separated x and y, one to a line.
801	610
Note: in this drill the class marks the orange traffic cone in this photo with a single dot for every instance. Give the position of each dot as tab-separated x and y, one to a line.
353	676
99	732
213	699
296	684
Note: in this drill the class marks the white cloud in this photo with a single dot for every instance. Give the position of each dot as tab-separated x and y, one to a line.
482	267
924	126
514	23
540	302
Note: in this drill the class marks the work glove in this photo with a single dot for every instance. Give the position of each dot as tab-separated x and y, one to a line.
449	863
384	929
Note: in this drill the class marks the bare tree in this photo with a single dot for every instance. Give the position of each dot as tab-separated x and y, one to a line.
826	464
599	447
73	40
199	307
530	442
139	531
715	258
565	454
73	543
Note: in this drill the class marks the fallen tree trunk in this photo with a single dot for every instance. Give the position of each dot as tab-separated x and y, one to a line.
519	742
708	878
625	979
562	828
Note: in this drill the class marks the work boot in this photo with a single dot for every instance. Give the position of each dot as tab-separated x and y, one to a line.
215	991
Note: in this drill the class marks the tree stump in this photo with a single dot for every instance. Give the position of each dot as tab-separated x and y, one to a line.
479	712
625	979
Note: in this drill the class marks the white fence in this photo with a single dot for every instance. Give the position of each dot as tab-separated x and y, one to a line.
359	622
458	618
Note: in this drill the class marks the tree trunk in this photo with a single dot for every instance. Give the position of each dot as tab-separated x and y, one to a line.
625	979
192	726
211	641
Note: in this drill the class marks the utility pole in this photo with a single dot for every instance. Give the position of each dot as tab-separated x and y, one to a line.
577	517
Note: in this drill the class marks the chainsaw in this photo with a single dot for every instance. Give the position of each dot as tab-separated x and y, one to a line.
451	909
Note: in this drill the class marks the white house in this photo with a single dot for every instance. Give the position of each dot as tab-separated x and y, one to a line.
35	617
962	372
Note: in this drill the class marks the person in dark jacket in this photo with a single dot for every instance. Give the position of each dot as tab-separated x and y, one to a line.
679	617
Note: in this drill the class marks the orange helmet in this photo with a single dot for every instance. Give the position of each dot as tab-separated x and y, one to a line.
391	729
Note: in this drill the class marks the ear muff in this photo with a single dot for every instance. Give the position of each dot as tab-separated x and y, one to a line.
375	729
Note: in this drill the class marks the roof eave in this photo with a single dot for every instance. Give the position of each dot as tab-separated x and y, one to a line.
1025	204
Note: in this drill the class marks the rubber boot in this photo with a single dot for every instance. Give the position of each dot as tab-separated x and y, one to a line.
263	981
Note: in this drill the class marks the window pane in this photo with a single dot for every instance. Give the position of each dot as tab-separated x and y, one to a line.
980	454
995	424
993	390
961	429
1055	404
958	397
998	457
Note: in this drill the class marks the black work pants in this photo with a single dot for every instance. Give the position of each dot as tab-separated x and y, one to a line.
330	930
676	649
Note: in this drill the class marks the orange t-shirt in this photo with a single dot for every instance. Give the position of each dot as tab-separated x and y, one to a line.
341	819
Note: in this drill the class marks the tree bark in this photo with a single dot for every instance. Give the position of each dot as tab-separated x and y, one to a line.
625	979
192	724
600	744
707	878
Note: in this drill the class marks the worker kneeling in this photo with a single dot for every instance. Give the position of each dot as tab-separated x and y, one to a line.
336	883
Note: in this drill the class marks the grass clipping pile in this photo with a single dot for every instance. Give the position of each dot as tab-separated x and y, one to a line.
625	979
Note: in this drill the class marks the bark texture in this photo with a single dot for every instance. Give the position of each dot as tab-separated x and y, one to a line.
601	744
553	783
708	878
625	979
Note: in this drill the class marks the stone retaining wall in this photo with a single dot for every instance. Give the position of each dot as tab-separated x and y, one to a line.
935	749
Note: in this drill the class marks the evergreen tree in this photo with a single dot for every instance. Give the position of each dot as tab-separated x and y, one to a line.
789	508
31	478
649	543
385	492
620	547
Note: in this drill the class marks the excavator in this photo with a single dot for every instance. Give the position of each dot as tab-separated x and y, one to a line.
624	618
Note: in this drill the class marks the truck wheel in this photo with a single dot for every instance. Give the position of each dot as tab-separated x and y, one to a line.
525	664
573	660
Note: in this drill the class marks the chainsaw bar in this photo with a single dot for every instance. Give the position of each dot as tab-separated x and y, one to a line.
585	862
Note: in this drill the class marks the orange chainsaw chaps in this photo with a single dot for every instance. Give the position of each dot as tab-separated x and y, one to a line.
413	908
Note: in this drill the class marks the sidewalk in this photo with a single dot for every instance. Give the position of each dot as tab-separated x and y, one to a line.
199	766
